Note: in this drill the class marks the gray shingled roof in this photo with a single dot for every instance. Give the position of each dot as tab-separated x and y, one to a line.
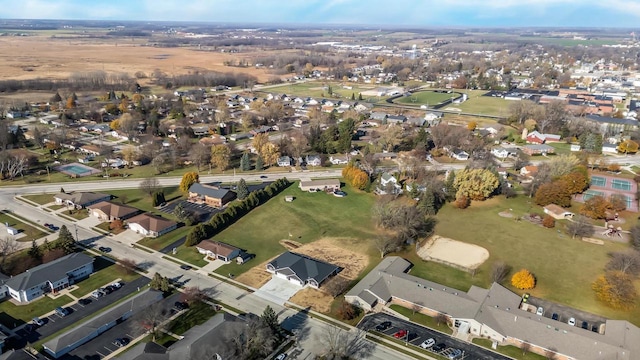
82	198
304	267
51	271
209	191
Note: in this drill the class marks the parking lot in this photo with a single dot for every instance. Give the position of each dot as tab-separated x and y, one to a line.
130	329
417	334
593	322
77	313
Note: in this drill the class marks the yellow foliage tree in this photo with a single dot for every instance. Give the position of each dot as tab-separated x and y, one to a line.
472	125
270	153
616	289
124	105
71	103
356	177
115	124
220	156
523	279
188	179
628	147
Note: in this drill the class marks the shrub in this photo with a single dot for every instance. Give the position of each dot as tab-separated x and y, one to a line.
549	222
462	202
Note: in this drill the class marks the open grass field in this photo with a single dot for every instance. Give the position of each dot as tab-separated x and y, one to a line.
105	273
310	217
317	89
40	198
12	315
30	232
23	58
485	105
425	98
564	267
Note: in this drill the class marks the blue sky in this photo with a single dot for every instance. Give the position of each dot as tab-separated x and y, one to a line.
586	13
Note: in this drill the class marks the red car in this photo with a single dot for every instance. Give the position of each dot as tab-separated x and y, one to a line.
400	334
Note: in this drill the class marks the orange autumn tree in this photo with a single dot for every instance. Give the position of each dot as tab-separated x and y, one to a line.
523	279
356	177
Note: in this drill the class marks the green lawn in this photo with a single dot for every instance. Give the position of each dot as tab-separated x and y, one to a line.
197	314
105	272
11	314
142	201
190	255
315	89
165	240
31	232
561	148
509	350
55	207
427	97
422	319
40	198
486	105
564	267
309	217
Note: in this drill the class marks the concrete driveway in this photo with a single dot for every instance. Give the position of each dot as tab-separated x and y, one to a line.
128	237
277	290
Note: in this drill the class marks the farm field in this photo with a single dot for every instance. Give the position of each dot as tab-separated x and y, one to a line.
564	267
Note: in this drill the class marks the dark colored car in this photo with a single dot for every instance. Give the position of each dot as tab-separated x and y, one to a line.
439	347
594	328
585	325
120	342
263	176
107	290
84	301
104	249
180	305
383	326
555	316
185	267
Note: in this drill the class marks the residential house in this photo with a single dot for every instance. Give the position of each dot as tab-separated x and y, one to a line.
216	250
210	195
416	121
388	184
301	269
385	156
313	160
609	187
339	159
211	340
379	117
50	277
396	119
459	154
284	161
80	200
496	314
528	171
538	149
261	130
151	225
109	211
93	149
500	152
538	138
320	185
239	136
200	130
557	212
433	118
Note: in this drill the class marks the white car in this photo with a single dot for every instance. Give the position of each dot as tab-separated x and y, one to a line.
117	284
572	321
540	311
281	357
428	343
36	320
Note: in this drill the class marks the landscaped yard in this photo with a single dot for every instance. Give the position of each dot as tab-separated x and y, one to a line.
31	232
510	350
11	315
422	319
190	255
196	315
165	240
105	272
40	198
309	217
140	200
564	267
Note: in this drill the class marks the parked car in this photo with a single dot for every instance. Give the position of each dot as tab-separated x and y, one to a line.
107	289
104	249
439	347
383	326
585	325
97	294
37	321
400	334
540	311
281	357
572	321
454	354
264	177
180	305
84	301
555	316
117	284
594	328
62	312
428	343
185	267
120	342
339	193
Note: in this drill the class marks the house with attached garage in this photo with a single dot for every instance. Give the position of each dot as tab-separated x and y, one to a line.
151	225
500	152
216	250
50	277
313	160
339	159
496	314
301	269
109	211
80	200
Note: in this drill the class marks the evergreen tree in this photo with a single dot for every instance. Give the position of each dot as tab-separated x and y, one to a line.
353	96
259	163
242	189
66	241
360	96
159	282
269	319
158	198
449	186
245	163
35	251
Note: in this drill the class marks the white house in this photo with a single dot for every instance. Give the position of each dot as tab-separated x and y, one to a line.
313	160
339	159
459	155
284	161
500	152
50	277
151	225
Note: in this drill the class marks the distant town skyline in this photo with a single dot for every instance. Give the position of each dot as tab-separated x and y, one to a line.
484	13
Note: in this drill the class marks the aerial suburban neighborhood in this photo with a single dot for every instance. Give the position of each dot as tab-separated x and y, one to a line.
202	190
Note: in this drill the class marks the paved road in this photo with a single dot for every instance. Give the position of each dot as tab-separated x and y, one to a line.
418	334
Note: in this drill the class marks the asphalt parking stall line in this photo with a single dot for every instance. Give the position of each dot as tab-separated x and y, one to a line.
101	354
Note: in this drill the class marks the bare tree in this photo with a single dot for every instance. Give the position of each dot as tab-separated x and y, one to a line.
151	318
149	185
580	226
385	244
550	354
343	344
525	347
193	295
335	286
8	245
200	154
627	262
499	271
441	319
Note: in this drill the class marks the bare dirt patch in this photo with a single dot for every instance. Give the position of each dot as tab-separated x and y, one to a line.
290	244
453	253
256	276
337	251
314	299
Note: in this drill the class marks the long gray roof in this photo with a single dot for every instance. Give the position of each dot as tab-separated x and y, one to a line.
209	191
304	267
51	271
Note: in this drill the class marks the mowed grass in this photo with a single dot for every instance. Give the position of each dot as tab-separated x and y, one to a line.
11	314
141	200
564	267
30	232
510	350
40	198
485	105
309	217
425	98
105	272
316	89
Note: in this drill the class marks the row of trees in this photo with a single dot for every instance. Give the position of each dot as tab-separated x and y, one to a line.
235	211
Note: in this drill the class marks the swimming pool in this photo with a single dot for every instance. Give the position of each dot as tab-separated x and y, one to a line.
76	169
